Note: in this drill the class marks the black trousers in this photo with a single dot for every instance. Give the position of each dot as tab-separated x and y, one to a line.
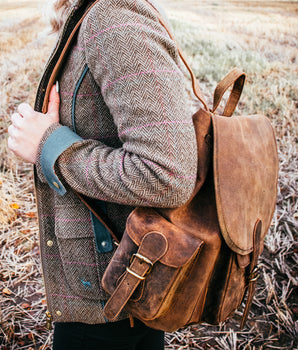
107	336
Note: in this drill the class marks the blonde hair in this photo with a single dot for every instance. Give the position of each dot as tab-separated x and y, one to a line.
61	9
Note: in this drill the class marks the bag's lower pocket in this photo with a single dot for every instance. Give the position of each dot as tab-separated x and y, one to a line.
157	294
153	291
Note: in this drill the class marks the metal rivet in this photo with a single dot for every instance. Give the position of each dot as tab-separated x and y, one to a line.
50	243
55	184
58	313
104	243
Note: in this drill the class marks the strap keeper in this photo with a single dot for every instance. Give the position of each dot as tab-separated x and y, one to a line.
135	274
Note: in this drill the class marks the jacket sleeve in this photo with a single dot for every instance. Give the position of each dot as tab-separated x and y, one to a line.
135	64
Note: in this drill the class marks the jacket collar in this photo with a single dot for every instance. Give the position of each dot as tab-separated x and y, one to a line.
77	11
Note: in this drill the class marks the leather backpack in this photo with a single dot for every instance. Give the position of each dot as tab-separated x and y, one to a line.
192	264
195	263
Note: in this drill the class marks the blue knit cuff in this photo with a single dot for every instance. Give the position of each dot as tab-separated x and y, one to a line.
57	142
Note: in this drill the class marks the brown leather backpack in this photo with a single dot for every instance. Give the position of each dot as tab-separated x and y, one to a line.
176	267
192	264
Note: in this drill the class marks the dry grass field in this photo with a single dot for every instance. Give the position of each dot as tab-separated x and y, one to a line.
259	37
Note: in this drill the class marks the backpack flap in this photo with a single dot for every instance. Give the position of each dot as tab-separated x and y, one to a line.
245	165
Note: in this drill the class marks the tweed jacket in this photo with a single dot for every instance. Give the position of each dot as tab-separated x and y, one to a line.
125	139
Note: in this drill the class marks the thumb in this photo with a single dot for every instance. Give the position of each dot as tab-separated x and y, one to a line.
54	102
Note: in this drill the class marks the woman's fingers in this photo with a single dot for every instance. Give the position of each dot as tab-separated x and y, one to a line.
11	143
28	127
16	120
25	110
12	131
53	106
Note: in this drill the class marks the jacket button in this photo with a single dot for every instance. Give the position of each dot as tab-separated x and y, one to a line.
104	244
58	313
50	243
55	184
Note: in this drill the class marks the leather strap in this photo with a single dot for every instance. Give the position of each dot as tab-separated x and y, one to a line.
236	77
152	248
195	86
253	272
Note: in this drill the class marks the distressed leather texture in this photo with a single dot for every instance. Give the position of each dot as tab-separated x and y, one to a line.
248	159
214	240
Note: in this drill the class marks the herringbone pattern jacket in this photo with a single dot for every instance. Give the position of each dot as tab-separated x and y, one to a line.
130	142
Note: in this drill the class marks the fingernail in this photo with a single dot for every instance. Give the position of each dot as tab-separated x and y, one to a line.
57	86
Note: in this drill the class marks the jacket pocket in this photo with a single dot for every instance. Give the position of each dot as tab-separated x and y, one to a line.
82	265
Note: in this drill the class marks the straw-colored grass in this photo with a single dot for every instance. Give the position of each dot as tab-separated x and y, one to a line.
256	36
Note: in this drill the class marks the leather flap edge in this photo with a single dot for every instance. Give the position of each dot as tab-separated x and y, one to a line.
182	246
245	165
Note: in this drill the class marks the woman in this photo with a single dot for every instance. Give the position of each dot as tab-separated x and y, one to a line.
119	131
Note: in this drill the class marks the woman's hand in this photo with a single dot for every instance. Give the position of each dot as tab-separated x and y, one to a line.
28	127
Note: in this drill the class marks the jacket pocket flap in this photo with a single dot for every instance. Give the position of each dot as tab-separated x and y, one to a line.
73	222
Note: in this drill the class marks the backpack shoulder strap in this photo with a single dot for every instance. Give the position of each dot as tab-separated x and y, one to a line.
236	77
195	86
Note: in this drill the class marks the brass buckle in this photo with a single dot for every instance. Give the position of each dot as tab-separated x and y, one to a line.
142	258
135	274
254	275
